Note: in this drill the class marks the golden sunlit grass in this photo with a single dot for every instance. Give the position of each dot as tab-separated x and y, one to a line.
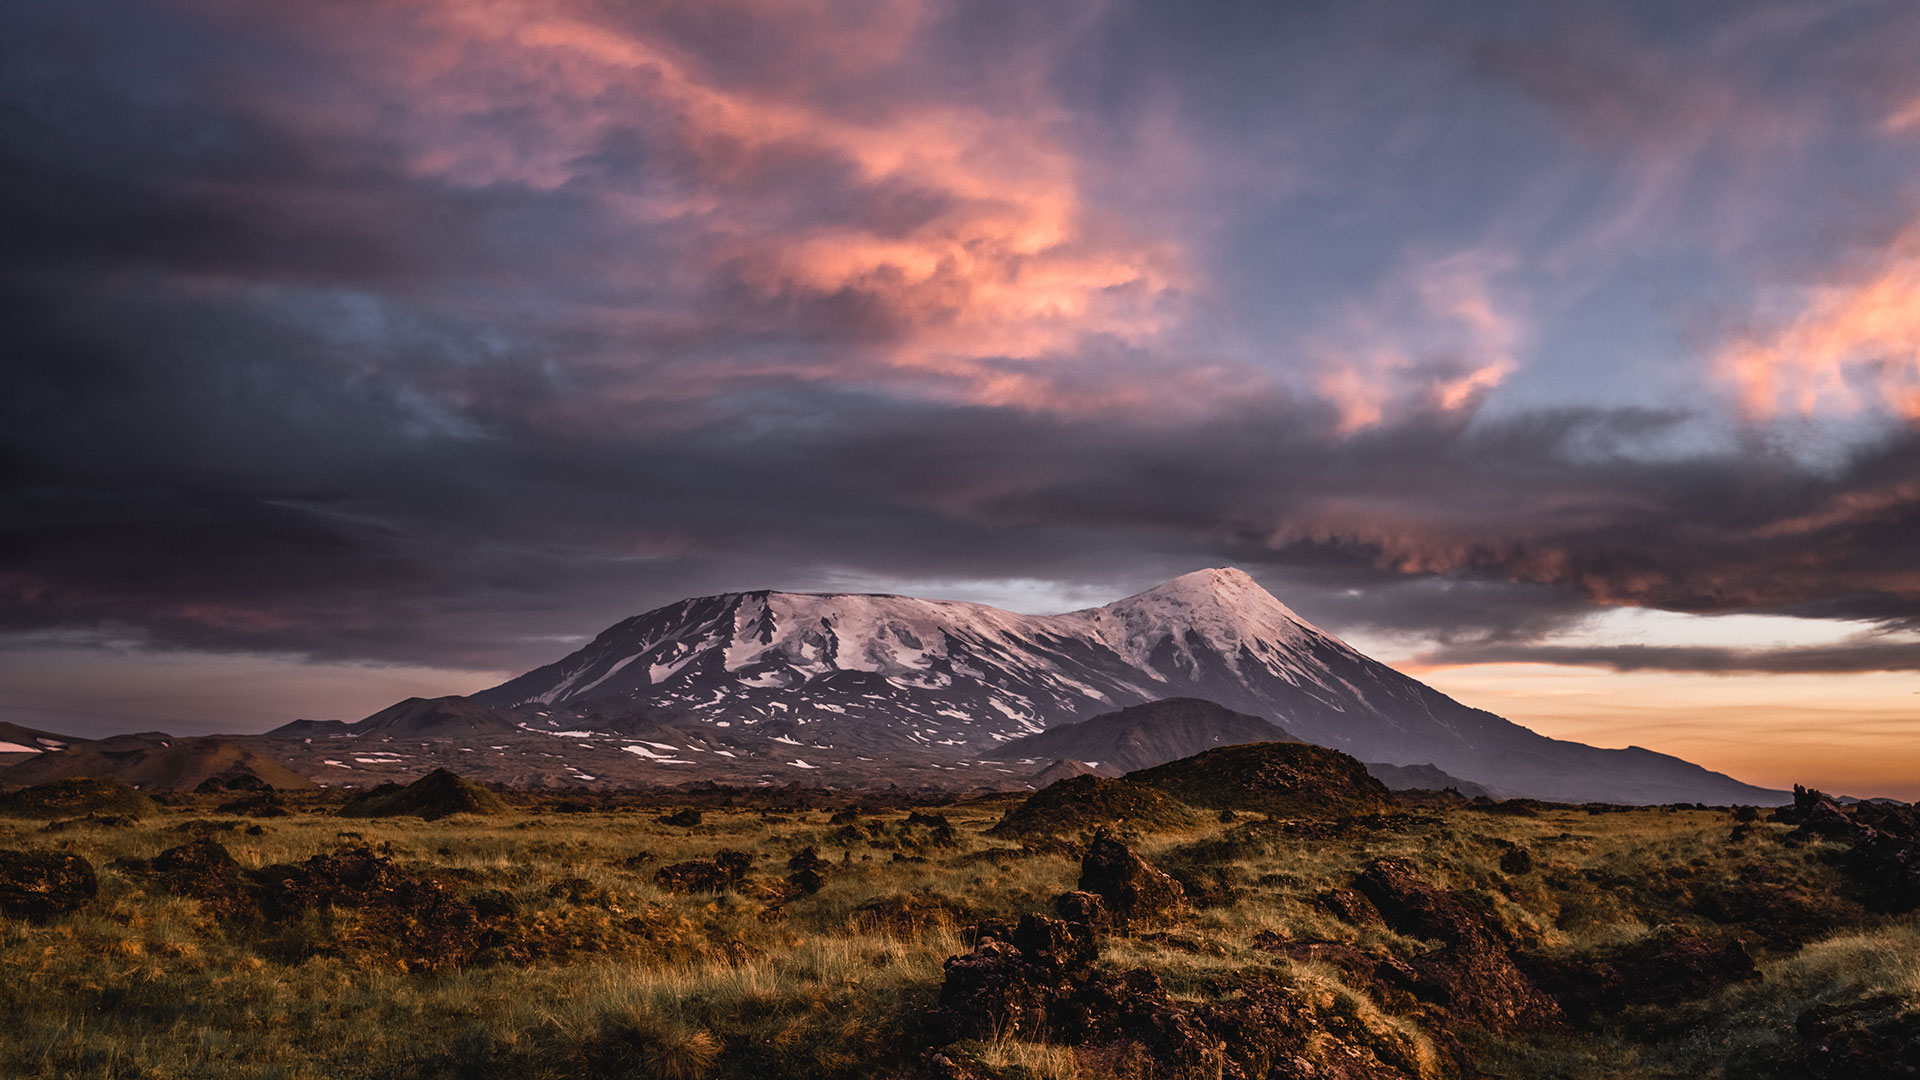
620	977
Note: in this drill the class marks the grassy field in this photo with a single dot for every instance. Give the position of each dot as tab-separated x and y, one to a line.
583	965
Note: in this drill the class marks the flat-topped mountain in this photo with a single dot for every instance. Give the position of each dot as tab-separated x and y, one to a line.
872	675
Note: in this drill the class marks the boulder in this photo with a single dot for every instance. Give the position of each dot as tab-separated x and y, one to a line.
38	882
204	870
1349	907
1516	860
1086	908
1134	893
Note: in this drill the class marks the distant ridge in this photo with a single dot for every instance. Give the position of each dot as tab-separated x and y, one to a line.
162	763
1425	778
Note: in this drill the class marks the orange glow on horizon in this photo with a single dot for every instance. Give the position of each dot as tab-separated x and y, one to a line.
1854	734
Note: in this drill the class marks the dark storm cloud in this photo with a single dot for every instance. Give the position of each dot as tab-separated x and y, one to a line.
441	339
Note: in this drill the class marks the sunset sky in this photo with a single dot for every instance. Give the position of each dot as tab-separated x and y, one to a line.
1565	355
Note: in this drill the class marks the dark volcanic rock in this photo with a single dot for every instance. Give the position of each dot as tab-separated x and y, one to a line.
1472	974
1349	907
1074	806
1042	984
723	871
1778	913
1516	860
1412	906
1660	971
1875	1039
1135	893
1083	907
35	883
68	798
681	819
1055	944
807	871
417	919
204	870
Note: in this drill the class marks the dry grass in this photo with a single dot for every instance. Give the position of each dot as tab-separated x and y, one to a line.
631	980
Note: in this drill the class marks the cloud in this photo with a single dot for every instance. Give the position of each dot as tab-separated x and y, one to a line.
1844	346
1863	655
441	332
1439	340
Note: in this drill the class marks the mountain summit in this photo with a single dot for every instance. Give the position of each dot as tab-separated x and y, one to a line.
874	673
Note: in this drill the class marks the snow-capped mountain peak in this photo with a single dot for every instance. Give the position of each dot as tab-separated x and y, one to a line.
869	673
1225	608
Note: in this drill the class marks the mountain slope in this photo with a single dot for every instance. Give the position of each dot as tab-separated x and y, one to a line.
880	674
1142	736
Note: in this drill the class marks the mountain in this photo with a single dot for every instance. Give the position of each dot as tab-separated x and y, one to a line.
22	743
162	763
1142	736
450	716
873	675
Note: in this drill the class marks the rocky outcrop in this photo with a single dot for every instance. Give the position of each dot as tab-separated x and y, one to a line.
417	919
73	797
1660	970
724	870
1884	839
1040	982
1133	893
1875	1039
1472	975
204	870
36	883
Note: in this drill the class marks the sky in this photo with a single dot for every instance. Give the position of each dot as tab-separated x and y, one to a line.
1565	355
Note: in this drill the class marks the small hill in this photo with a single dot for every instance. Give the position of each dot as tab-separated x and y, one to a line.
433	717
1143	736
163	763
1086	802
74	797
435	795
308	729
1067	769
1284	779
1424	778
